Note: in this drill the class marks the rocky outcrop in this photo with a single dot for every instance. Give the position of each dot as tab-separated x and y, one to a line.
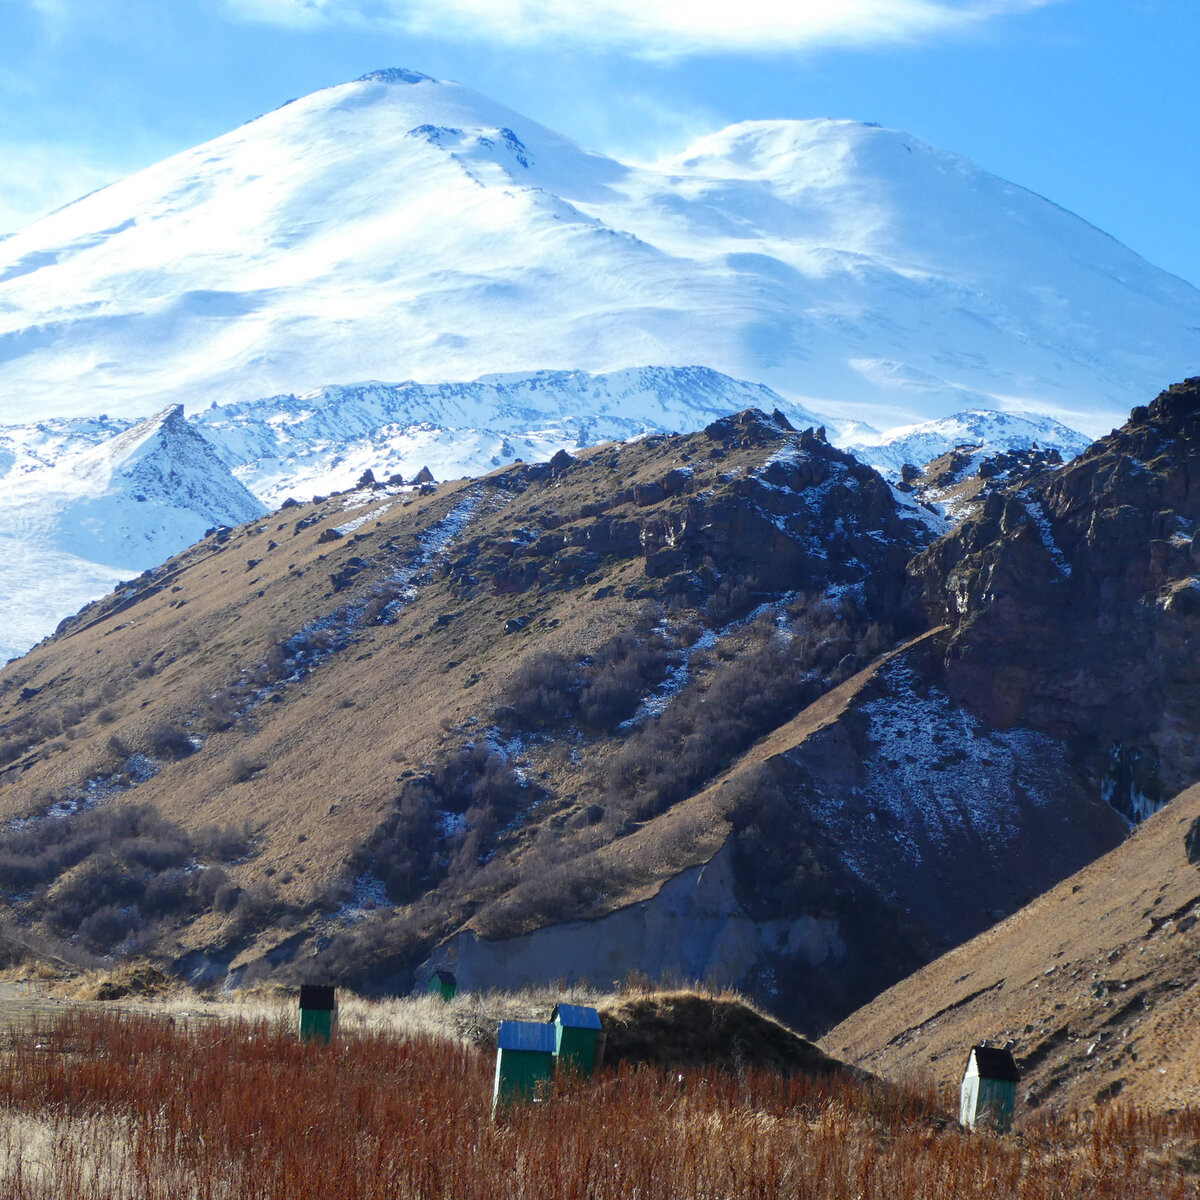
1072	601
694	928
811	516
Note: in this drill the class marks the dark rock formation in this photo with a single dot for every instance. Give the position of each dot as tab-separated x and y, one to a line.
1072	599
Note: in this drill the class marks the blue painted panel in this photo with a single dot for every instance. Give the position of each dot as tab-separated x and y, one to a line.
526	1035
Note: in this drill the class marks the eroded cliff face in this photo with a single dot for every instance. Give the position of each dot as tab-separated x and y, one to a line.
1074	605
695	928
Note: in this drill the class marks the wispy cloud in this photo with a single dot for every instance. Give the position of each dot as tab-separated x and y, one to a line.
37	179
654	28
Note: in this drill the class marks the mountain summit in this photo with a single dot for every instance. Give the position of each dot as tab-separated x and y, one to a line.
401	227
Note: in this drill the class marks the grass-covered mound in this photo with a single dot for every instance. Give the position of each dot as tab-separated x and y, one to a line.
688	1028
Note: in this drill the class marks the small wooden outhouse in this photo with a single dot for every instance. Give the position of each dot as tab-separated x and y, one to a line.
524	1061
576	1031
318	1012
443	983
989	1089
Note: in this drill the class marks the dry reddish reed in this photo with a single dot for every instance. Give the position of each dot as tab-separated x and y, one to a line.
104	1105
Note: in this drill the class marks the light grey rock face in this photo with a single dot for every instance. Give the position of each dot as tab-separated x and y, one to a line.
693	929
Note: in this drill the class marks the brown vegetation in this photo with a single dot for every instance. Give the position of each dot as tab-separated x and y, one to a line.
105	1105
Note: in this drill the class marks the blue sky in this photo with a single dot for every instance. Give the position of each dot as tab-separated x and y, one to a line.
1092	103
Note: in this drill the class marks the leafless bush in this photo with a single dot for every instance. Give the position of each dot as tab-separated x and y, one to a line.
246	766
165	740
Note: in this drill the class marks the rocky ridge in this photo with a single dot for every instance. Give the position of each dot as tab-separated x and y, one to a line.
1069	600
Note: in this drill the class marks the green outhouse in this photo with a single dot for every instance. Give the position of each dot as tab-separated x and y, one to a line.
576	1031
989	1089
443	983
524	1062
318	1012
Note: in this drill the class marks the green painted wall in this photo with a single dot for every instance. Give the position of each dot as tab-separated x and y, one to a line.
316	1025
988	1104
447	991
521	1075
576	1048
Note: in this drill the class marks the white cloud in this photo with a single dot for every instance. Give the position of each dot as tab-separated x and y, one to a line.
656	28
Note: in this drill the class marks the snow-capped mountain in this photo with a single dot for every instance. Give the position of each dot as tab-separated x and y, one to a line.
324	441
85	503
400	227
990	433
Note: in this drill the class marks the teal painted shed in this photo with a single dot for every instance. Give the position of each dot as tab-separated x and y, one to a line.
443	983
524	1062
318	1012
576	1031
989	1090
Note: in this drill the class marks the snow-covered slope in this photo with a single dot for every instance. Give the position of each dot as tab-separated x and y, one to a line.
990	432
399	227
85	503
324	441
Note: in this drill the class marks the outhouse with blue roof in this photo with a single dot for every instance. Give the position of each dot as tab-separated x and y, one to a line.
576	1031
524	1061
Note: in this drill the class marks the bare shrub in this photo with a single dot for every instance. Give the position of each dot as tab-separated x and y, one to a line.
246	766
165	740
105	875
445	821
219	710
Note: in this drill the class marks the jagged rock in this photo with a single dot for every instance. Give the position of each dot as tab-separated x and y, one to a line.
424	475
1070	602
561	461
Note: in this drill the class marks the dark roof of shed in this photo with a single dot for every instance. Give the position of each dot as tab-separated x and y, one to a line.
576	1016
526	1035
321	996
994	1063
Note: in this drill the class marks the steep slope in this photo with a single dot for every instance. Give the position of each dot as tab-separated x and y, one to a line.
1093	985
74	524
1070	601
399	227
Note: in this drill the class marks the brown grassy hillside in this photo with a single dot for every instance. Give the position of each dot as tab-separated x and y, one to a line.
203	764
1094	985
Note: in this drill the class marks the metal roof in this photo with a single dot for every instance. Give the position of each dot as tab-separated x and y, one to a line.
994	1063
576	1016
526	1035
